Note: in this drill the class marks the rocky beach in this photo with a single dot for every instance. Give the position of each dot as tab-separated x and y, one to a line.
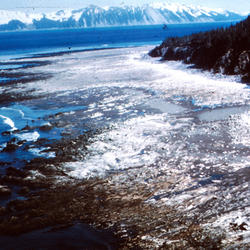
140	155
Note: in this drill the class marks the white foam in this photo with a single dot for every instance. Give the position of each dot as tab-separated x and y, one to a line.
35	174
8	122
42	152
97	115
3	145
32	136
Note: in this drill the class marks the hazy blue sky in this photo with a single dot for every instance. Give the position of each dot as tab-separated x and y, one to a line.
242	6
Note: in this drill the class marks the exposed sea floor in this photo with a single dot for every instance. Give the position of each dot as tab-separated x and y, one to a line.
181	133
78	236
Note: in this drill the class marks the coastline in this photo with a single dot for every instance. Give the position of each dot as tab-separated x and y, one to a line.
53	199
224	50
123	199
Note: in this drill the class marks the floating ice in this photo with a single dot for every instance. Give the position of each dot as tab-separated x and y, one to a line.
8	122
133	144
32	136
42	152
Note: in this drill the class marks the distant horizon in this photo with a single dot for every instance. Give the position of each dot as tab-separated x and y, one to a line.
241	6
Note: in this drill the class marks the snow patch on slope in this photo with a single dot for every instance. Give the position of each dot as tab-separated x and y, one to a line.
94	16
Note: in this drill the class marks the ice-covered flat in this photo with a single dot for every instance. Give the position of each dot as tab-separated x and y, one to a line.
182	132
130	67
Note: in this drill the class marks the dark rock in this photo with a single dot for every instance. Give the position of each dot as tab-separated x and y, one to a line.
32	183
24	191
242	226
12	180
11	171
56	115
156	52
27	127
226	64
49	170
20	143
236	227
2	211
246	78
17	205
4	191
36	184
13	140
4	164
11	147
244	61
6	133
45	128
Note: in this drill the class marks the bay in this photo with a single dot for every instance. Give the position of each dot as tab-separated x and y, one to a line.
106	111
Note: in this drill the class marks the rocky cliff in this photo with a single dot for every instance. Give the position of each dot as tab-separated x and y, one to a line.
225	50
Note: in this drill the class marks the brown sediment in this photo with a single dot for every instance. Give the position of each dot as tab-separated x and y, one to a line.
7	96
12	81
53	198
118	202
100	203
23	64
14	78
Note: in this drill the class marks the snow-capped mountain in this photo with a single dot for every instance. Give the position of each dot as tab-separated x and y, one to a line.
94	16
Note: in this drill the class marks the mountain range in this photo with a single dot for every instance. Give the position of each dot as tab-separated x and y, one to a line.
94	16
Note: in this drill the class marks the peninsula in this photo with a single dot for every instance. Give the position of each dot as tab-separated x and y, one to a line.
225	50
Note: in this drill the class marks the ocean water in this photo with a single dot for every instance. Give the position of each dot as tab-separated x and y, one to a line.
38	41
157	121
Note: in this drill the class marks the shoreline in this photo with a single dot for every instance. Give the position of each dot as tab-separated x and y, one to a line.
224	50
61	53
52	198
179	57
99	202
136	212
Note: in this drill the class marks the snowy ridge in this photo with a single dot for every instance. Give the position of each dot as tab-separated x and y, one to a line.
94	16
6	16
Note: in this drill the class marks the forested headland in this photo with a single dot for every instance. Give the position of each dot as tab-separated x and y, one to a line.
224	50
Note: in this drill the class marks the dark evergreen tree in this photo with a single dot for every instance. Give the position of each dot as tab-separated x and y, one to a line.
225	50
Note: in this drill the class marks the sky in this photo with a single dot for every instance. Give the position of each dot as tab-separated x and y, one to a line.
242	6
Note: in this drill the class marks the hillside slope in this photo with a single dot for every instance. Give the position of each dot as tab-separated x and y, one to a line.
225	50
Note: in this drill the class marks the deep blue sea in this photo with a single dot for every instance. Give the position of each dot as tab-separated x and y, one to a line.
37	41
